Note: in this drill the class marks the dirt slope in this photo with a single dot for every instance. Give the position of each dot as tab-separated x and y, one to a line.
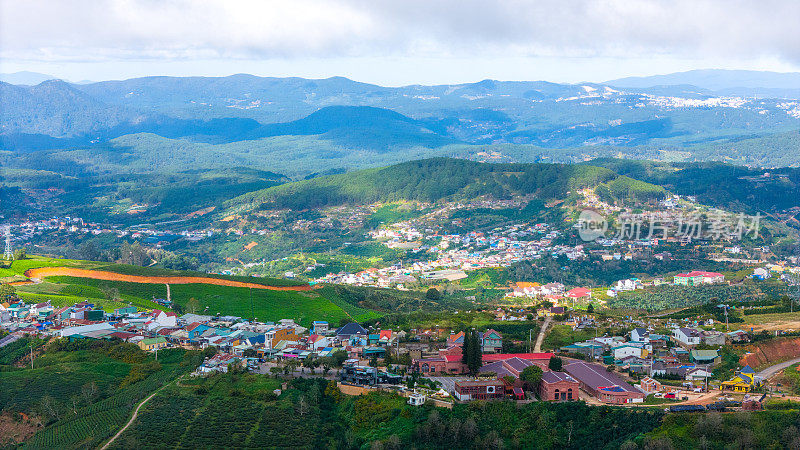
43	272
771	352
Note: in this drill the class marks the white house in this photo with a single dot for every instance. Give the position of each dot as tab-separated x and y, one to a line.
761	273
640	335
686	336
165	318
66	332
698	373
625	350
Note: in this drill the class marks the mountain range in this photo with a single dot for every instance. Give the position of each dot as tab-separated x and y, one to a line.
55	131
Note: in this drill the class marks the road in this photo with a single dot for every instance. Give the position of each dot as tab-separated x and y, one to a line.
775	368
539	339
448	383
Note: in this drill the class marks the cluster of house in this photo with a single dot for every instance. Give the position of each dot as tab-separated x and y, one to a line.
456	253
657	356
556	292
783	269
661	356
234	338
28	229
499	375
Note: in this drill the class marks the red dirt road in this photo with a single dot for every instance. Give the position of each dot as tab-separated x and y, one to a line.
43	272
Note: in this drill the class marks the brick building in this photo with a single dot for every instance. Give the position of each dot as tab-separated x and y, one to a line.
558	386
479	389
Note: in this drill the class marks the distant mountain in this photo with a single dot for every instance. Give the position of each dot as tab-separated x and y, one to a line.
729	81
25	78
57	109
348	117
359	127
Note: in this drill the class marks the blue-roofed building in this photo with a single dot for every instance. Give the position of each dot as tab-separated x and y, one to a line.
320	327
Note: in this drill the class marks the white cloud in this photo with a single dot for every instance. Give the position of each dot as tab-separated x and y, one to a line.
108	30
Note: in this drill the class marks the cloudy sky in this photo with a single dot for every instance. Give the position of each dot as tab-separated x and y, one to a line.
397	42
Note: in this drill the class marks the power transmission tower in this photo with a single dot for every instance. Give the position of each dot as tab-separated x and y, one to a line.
8	255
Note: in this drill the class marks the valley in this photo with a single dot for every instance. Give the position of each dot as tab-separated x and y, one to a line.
193	247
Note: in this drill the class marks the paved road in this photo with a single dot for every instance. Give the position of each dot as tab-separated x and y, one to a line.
448	383
772	370
8	339
538	347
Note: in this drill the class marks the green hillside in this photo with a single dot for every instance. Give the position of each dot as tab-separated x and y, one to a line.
83	392
441	178
737	188
264	304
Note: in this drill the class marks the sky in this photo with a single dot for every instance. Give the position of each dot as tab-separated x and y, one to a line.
397	42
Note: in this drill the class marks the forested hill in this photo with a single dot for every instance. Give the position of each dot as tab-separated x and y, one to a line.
735	188
443	178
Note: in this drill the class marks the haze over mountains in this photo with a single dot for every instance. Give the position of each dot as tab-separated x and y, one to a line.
731	82
305	126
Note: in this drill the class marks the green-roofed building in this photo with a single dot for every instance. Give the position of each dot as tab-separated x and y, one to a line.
155	343
704	356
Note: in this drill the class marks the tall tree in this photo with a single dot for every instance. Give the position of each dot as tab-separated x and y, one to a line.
531	375
471	354
555	364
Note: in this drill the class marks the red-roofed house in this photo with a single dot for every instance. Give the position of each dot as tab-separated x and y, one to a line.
540	359
456	339
579	293
696	277
385	336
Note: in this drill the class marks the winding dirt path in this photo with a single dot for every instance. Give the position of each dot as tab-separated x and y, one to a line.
43	272
130	422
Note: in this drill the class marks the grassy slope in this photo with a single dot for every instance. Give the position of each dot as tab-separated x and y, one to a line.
266	305
18	268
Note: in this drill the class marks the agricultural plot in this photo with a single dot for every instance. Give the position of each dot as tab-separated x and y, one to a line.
671	297
83	392
224	411
265	305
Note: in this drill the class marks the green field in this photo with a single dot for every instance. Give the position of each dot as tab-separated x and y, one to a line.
240	411
18	268
266	305
263	304
83	392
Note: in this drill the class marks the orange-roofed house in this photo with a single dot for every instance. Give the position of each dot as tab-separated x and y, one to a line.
385	336
456	339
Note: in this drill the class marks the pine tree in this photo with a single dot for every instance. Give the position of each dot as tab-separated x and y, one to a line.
471	354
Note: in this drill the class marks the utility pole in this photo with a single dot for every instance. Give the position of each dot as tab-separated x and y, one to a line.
252	313
726	318
530	334
31	356
8	255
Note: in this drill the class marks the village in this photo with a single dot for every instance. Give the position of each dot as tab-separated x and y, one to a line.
656	361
